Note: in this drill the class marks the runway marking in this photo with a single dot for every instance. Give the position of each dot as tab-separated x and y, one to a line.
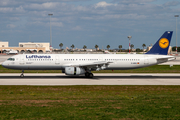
99	79
95	77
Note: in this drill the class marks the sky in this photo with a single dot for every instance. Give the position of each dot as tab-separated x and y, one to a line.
88	22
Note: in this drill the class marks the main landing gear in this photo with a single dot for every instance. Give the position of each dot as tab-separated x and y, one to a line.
22	74
89	75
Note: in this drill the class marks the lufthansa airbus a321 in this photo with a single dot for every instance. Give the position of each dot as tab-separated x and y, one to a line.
79	64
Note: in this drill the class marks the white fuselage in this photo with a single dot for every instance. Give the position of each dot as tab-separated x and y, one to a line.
60	61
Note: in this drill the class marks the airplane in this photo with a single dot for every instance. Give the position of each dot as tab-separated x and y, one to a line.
79	64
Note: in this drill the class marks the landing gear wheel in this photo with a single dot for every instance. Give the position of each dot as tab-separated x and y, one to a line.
21	75
91	75
87	74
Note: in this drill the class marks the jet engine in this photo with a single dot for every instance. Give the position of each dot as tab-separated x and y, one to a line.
74	71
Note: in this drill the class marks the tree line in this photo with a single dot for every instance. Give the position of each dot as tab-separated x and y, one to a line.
174	49
108	46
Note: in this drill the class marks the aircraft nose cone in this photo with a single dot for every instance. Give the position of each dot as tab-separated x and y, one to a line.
3	64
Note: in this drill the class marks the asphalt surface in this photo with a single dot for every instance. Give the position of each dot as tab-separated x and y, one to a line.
99	79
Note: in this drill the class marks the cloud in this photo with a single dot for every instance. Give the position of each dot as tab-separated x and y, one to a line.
40	22
57	24
77	28
19	9
103	4
40	1
8	2
126	16
133	1
172	3
132	16
88	18
14	18
10	26
47	5
80	8
6	9
4	2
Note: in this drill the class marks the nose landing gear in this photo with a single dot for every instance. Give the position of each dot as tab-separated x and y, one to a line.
22	74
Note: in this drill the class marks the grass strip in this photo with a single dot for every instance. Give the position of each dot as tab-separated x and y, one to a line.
90	102
151	69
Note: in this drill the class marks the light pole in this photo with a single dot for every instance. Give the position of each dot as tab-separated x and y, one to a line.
176	31
129	37
50	32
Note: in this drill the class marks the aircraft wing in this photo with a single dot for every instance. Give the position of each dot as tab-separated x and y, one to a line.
93	65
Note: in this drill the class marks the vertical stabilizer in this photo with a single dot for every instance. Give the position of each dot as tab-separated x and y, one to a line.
162	45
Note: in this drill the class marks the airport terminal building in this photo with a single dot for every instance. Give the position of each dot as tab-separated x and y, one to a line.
25	47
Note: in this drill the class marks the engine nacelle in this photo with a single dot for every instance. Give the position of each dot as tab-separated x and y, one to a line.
74	71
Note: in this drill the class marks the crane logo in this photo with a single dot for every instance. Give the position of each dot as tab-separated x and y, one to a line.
163	43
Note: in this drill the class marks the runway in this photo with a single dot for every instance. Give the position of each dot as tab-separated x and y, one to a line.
99	79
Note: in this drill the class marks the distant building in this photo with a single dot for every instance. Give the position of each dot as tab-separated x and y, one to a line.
25	47
133	50
4	44
148	48
35	45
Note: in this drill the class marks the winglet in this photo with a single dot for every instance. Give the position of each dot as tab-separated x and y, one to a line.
162	45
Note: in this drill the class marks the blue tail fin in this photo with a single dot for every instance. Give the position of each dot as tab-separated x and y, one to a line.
162	45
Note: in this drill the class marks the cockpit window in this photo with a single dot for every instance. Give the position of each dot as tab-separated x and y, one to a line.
11	59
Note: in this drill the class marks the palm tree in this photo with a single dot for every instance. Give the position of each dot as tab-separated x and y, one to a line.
84	47
96	46
72	46
61	45
108	46
132	46
144	45
120	47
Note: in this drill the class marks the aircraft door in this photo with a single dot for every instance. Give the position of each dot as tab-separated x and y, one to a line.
22	60
100	59
57	60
